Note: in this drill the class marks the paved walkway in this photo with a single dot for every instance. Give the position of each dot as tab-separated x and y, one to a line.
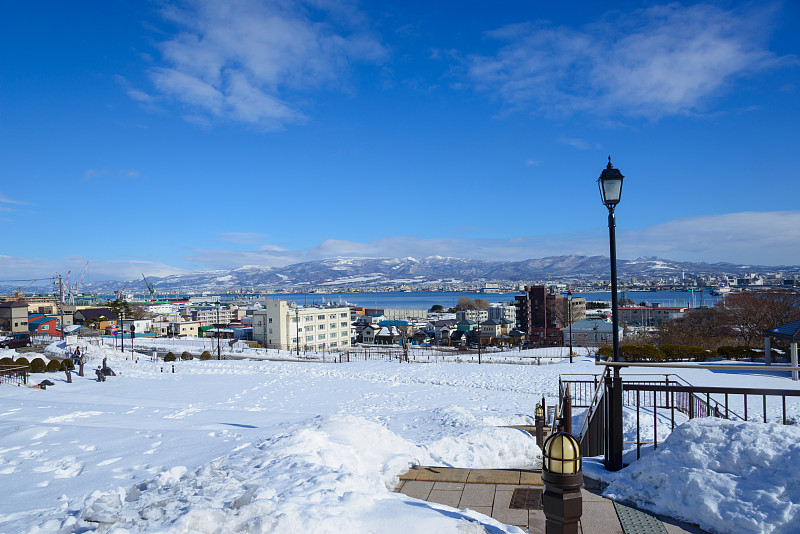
490	492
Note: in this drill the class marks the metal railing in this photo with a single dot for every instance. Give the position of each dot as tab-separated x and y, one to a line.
670	393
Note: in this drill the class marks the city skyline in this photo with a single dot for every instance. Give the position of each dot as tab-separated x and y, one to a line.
168	138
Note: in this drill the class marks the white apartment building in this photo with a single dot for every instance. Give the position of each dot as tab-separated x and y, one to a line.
503	311
473	315
286	325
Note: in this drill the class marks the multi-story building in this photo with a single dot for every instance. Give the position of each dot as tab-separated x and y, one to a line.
542	313
397	315
286	325
215	315
649	315
477	316
505	311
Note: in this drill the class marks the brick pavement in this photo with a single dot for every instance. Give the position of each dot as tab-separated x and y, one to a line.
490	491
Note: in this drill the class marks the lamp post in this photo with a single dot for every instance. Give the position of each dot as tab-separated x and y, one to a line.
297	322
569	318
610	184
562	476
539	423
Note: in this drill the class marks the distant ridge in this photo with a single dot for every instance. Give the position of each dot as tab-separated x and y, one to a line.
371	272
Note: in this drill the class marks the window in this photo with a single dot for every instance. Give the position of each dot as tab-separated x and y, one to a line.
333	334
294	340
331	316
333	343
45	327
332	326
270	320
343	324
320	327
270	330
321	317
309	318
309	338
308	328
344	343
321	336
343	314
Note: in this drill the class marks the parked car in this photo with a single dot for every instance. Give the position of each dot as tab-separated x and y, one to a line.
16	340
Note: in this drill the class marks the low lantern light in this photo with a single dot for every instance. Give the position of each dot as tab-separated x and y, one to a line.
562	454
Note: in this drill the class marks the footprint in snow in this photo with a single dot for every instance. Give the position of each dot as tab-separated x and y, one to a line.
110	461
66	467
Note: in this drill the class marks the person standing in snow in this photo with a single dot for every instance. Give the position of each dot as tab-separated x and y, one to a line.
76	356
100	376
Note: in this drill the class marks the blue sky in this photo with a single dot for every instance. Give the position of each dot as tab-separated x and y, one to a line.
174	137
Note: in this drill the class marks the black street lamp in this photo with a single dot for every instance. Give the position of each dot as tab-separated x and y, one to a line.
569	318
610	183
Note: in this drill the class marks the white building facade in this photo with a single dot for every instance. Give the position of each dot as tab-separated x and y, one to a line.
285	325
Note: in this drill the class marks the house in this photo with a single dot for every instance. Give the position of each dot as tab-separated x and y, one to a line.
14	317
185	328
369	332
389	335
101	318
140	325
43	325
495	331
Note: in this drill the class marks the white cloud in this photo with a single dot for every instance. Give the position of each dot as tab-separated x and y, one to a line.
240	60
580	144
5	200
757	238
663	60
753	238
40	268
763	238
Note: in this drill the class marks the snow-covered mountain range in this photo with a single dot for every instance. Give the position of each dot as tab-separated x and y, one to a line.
370	272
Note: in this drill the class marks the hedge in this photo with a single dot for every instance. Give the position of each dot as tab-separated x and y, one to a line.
53	366
738	353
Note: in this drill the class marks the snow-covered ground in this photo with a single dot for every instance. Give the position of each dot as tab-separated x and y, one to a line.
287	447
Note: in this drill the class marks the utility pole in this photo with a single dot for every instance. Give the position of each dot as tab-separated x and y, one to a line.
61	304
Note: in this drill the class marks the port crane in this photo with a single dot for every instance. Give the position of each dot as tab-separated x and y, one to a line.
150	288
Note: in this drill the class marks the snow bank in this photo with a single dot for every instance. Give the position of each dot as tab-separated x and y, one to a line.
726	476
59	349
332	474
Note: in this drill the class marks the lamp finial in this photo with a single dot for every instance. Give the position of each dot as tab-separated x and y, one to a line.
609	163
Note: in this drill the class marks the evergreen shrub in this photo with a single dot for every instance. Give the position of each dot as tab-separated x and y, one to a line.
606	352
53	366
6	361
38	366
640	353
186	355
169	357
736	353
206	355
67	364
23	362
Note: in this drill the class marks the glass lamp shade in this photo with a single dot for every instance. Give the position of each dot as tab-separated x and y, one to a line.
610	183
569	295
562	454
539	411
